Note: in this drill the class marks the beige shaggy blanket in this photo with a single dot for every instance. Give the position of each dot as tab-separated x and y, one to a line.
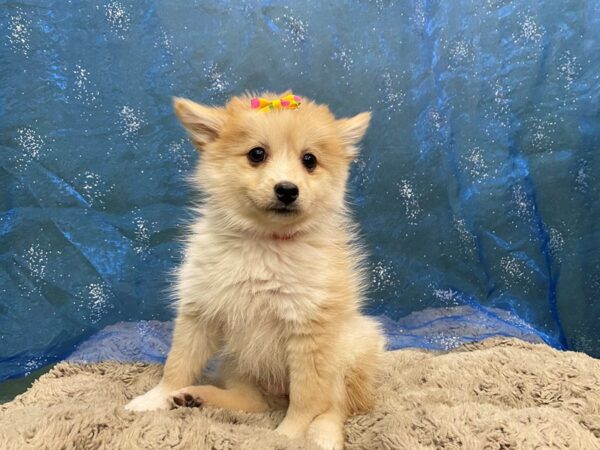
496	394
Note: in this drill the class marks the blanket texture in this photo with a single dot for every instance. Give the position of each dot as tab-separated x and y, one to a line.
495	394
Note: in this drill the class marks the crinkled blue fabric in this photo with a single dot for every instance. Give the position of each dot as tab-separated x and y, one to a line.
477	186
431	328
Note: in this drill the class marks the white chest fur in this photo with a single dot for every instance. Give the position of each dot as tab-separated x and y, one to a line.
255	292
234	278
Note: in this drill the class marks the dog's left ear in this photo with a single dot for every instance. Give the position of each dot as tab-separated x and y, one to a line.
353	129
203	123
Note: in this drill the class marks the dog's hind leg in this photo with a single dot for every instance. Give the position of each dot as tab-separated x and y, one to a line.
238	396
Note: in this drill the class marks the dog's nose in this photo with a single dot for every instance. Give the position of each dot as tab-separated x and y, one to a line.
286	192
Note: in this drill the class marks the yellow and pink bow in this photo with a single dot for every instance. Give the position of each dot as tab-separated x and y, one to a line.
288	102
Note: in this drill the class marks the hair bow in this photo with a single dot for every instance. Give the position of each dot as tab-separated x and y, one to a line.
288	102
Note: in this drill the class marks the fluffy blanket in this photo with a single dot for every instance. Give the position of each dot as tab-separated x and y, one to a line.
495	394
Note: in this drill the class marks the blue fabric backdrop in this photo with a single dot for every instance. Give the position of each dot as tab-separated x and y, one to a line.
477	185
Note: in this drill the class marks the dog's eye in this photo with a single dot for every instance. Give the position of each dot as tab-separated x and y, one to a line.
309	161
257	155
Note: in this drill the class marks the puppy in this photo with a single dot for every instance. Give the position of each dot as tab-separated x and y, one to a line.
273	278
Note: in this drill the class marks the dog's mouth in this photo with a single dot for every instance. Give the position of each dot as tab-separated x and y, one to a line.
283	210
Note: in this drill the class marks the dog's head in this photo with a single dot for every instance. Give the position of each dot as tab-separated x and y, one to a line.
277	171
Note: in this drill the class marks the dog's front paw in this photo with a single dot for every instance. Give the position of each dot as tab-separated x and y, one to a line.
327	441
155	399
290	429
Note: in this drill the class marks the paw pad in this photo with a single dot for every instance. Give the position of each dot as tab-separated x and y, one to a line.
187	400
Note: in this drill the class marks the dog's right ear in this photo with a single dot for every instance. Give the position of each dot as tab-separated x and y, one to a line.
203	123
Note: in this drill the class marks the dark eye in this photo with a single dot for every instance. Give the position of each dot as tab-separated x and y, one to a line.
309	161
257	155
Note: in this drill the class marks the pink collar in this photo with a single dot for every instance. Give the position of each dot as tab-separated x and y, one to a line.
283	237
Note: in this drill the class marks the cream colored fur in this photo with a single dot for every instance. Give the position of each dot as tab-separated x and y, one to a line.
283	315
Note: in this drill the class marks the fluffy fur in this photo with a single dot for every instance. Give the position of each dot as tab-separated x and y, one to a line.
283	314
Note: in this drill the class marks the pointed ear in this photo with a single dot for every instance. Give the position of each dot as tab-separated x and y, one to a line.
353	129
203	123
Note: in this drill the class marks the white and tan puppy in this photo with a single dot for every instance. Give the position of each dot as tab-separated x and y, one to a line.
272	281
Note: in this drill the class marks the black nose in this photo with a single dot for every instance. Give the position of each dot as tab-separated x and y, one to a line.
286	192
